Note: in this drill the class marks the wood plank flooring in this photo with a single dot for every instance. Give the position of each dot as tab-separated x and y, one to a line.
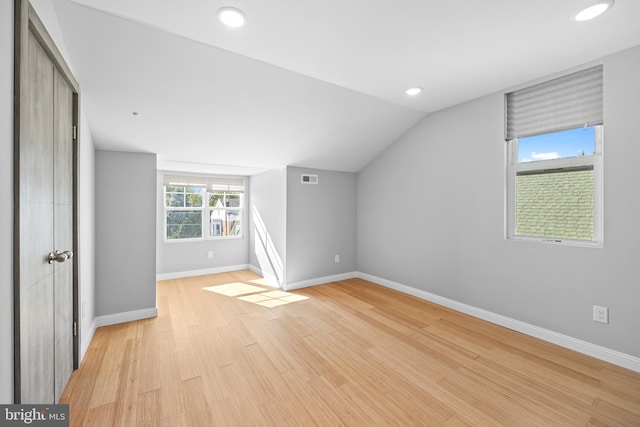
351	354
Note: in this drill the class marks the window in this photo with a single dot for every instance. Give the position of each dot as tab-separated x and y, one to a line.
203	207
554	134
183	206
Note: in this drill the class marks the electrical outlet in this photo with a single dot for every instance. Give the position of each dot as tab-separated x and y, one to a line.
210	254
336	258
600	314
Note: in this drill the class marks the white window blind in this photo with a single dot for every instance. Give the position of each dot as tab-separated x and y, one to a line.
235	185
564	103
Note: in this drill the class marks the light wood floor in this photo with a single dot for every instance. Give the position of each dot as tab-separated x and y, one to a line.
352	354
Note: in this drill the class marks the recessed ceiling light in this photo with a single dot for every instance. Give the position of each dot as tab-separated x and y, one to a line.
593	10
414	91
232	17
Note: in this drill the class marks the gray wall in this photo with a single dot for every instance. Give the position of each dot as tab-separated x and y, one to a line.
321	222
176	257
431	216
125	232
267	235
6	207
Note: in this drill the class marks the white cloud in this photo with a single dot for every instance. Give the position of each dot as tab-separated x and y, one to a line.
545	156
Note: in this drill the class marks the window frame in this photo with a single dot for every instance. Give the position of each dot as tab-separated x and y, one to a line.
168	209
225	209
206	210
512	169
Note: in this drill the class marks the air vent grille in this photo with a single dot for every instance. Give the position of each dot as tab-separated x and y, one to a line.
309	179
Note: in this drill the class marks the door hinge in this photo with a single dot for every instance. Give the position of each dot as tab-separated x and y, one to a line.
75	132
75	329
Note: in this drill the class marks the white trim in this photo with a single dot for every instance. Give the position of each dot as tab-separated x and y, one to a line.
86	341
128	316
584	347
201	272
320	281
512	169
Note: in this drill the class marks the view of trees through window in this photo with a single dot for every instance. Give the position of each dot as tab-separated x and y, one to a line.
185	221
188	216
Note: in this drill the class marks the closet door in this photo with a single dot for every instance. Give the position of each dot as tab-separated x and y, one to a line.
45	271
36	232
62	232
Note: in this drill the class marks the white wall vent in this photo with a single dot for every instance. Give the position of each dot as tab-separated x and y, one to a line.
309	179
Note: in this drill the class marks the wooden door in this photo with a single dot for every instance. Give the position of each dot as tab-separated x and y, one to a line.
45	271
36	232
62	232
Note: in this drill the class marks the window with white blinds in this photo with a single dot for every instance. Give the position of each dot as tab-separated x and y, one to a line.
210	183
567	102
199	207
554	133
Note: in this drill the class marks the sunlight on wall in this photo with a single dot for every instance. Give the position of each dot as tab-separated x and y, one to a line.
270	262
265	282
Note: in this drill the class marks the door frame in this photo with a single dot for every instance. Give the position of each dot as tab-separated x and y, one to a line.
25	20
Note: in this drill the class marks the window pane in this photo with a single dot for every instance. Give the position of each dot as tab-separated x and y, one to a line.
184	224
183	197
174	196
194	197
224	199
234	221
557	145
225	223
556	203
216	200
216	227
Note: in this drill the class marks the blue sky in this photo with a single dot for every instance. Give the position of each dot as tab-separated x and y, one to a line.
556	145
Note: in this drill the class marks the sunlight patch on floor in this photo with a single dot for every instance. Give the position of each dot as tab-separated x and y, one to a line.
273	298
234	289
255	294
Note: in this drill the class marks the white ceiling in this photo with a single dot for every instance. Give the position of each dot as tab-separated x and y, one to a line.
309	83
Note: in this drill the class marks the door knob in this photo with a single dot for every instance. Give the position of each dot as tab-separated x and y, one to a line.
59	256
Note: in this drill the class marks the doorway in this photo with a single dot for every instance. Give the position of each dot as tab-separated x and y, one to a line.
45	214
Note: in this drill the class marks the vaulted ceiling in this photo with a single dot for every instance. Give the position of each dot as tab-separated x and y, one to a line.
309	83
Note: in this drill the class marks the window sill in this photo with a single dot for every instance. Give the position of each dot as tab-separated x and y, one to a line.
203	239
556	241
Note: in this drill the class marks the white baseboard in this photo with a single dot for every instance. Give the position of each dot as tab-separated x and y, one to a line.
319	281
584	347
86	339
128	316
202	272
